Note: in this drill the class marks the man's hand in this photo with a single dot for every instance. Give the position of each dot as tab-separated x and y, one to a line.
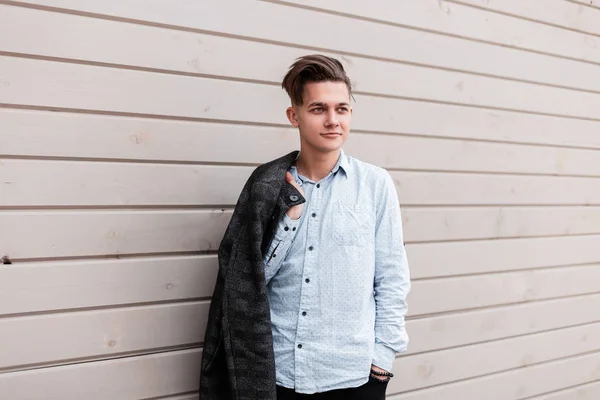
295	212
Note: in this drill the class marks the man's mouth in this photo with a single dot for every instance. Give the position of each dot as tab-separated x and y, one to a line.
331	134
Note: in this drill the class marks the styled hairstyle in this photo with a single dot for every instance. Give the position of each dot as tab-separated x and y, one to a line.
313	68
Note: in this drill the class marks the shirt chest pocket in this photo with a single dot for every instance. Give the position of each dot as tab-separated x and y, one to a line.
353	225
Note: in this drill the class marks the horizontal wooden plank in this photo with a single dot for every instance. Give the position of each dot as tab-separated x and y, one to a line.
479	24
462	258
74	183
90	232
188	52
516	384
35	287
440	367
183	397
55	84
589	3
34	234
555	12
467	328
287	25
100	333
59	134
120	379
451	294
588	391
46	286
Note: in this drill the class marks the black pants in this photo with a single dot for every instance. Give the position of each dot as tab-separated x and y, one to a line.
372	390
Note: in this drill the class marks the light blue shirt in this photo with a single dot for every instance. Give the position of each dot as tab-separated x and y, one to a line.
337	281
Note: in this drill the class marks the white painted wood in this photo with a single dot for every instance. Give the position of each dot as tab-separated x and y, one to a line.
516	384
286	25
60	134
461	258
76	183
99	88
120	379
589	3
436	368
468	223
87	334
51	134
55	84
195	53
459	20
37	234
470	327
55	183
453	294
46	286
431	188
184	397
33	234
589	391
556	12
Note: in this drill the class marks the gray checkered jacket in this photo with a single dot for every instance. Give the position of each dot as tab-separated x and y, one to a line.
238	361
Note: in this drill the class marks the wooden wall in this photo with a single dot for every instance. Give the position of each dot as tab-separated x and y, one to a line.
127	128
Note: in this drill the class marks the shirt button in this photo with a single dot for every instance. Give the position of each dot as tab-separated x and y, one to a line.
310	248
286	229
307	280
318	185
294	198
299	346
294	228
274	255
314	215
304	313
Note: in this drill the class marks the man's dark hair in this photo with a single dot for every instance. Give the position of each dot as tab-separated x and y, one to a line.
313	68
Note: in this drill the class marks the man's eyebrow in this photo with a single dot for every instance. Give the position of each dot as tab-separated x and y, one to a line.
321	104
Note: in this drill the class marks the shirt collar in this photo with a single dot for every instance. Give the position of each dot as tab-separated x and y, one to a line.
342	163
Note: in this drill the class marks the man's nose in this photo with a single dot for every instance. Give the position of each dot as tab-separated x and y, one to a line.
331	119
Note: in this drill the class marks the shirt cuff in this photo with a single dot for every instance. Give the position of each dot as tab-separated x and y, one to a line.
383	357
286	227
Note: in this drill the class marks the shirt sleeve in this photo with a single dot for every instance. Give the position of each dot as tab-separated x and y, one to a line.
282	241
392	280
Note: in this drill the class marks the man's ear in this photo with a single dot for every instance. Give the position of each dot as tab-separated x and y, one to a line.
292	116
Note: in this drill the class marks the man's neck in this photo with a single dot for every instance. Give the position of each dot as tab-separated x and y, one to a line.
316	166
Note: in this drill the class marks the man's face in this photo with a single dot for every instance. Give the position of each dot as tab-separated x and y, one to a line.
324	117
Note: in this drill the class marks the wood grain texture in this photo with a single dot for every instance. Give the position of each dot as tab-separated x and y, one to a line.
67	285
449	18
127	45
285	25
515	384
100	333
25	133
120	379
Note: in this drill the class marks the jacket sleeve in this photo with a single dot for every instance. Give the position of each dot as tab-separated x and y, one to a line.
282	242
392	280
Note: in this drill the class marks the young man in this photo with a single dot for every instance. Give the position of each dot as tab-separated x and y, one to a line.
311	294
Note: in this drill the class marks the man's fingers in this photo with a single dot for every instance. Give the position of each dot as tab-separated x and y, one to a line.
290	179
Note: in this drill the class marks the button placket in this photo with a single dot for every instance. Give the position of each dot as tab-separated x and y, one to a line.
303	330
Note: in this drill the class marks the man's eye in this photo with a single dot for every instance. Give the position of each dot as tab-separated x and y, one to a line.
343	109
318	109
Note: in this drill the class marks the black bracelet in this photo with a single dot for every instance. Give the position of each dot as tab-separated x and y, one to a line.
377	373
